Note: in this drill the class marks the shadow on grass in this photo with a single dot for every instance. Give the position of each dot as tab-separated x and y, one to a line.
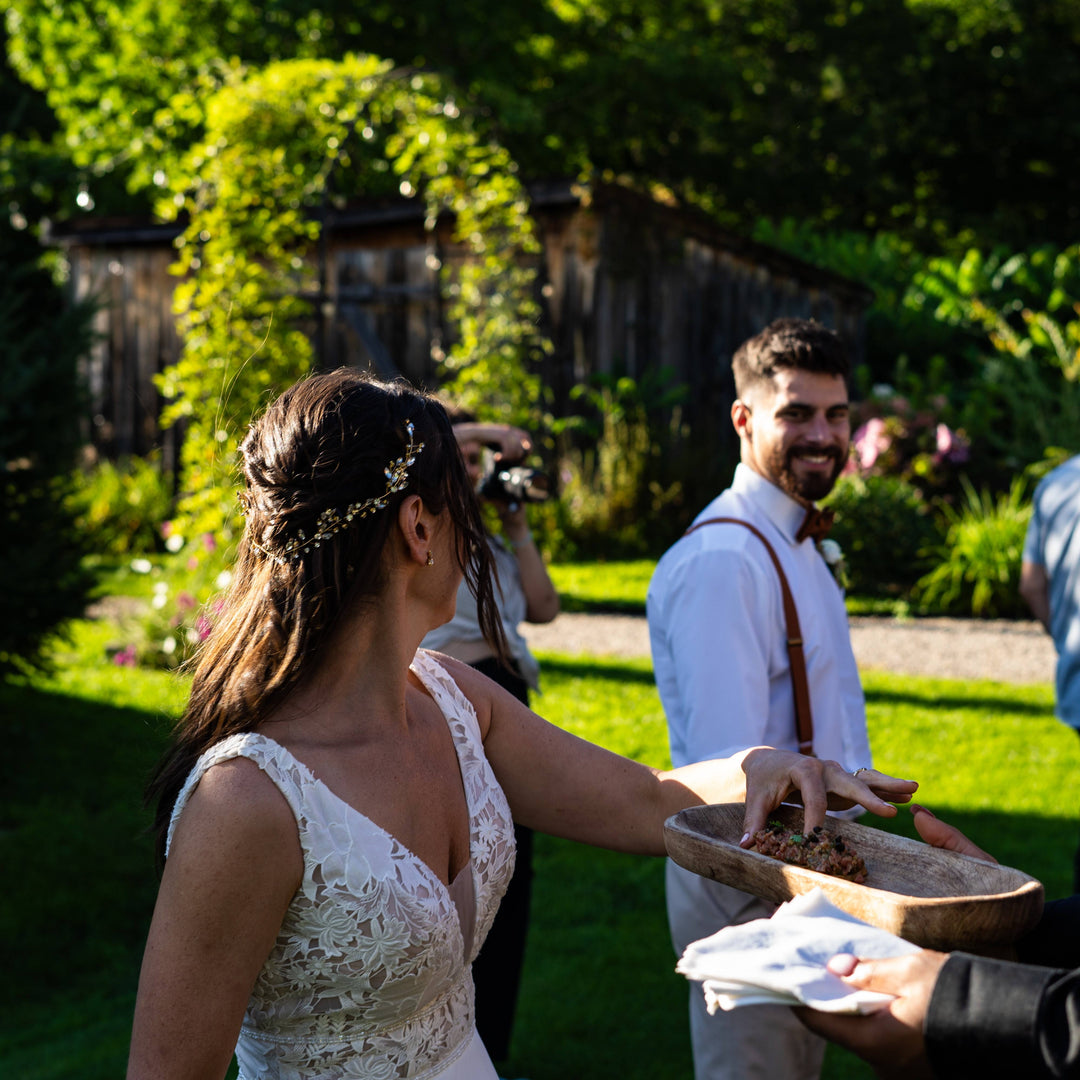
72	821
952	699
600	996
585	606
586	667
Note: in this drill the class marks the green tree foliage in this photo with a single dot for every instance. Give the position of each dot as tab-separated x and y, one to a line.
927	116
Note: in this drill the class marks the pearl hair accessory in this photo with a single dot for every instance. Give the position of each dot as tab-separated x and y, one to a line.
332	520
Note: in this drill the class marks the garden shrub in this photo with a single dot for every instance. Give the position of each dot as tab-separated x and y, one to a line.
887	531
120	506
904	435
978	564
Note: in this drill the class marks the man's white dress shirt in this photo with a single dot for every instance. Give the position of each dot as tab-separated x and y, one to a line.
718	637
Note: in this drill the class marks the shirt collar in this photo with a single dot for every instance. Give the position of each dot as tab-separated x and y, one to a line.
779	507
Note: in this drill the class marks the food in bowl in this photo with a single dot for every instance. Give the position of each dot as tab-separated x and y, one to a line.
816	850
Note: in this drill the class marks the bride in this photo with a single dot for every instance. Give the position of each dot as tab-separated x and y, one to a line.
337	805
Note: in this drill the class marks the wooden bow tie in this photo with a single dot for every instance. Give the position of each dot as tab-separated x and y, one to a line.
816	525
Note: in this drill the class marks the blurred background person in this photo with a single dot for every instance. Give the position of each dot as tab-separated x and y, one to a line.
524	594
1050	584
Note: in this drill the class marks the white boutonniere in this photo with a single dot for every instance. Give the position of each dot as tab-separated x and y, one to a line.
833	555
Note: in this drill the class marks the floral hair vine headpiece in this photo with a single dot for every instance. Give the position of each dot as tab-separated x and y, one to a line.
333	519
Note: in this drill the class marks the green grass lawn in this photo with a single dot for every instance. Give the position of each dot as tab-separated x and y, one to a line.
603	587
600	996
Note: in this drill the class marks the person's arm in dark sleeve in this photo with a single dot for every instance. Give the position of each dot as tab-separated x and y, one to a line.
1055	939
992	1018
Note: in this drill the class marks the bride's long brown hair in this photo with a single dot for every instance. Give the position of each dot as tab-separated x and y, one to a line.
323	444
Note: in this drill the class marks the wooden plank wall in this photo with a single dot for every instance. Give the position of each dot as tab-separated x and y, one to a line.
626	294
626	291
135	338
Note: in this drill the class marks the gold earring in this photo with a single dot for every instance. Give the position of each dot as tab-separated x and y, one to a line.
430	559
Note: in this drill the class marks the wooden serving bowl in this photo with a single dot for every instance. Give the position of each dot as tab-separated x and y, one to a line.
929	896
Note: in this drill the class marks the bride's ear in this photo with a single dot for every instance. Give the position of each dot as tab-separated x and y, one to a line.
415	528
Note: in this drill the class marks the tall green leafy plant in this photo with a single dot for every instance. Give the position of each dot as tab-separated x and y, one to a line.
280	143
622	489
978	569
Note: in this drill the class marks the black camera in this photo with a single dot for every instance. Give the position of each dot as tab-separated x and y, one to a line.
515	485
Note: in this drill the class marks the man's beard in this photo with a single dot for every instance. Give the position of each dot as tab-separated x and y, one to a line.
811	487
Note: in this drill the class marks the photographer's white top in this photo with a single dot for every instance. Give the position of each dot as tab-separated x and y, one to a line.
512	605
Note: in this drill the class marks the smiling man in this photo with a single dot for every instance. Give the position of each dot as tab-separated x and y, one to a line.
720	645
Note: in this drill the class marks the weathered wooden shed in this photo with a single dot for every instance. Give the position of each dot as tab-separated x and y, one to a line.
629	285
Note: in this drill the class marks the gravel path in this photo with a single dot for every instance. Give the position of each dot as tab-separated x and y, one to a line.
1014	652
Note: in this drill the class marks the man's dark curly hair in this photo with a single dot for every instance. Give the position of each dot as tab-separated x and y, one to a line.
798	344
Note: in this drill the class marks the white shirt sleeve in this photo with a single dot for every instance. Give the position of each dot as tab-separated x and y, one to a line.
721	626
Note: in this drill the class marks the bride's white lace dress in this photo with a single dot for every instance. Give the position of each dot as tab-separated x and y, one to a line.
370	974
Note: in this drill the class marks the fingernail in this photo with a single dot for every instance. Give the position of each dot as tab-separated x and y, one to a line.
745	838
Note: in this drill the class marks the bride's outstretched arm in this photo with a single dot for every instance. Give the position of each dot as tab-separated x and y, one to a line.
566	786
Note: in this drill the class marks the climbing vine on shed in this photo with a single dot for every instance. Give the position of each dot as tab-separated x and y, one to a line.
280	141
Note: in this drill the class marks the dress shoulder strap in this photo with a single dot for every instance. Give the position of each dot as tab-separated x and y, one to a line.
444	689
279	765
804	721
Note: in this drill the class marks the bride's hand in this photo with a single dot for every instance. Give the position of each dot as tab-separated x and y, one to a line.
776	776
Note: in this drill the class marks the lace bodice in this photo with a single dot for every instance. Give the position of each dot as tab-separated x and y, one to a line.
369	976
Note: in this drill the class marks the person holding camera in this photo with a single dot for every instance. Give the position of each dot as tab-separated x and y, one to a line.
525	593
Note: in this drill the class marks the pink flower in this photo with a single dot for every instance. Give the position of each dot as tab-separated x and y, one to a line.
167	529
203	627
125	657
870	442
209	542
185	601
951	446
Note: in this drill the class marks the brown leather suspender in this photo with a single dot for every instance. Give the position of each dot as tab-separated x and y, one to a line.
804	721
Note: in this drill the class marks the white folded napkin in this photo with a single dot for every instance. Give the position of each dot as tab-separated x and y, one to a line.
781	961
